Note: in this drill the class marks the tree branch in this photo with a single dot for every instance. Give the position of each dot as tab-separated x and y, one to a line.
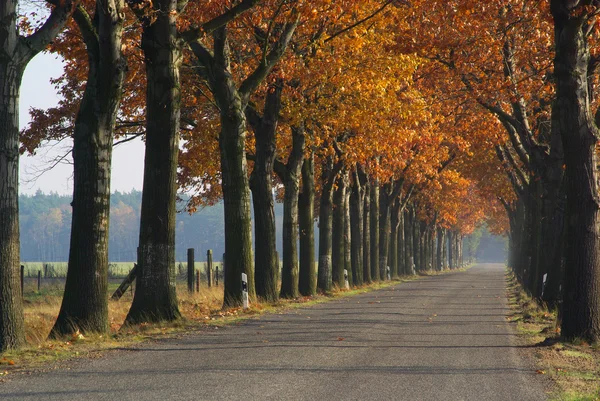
31	45
264	68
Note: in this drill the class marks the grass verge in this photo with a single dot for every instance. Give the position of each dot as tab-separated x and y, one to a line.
574	367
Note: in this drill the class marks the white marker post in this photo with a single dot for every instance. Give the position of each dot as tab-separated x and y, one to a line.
245	302
346	283
412	265
389	276
544	278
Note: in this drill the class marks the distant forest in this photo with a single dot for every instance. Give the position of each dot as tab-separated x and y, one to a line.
45	221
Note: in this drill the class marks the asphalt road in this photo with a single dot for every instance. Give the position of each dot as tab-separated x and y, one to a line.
439	338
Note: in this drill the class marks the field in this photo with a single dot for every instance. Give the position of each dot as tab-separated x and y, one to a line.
115	269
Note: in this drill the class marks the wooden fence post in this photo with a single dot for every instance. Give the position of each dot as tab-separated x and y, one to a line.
190	269
39	280
198	280
22	280
209	267
217	275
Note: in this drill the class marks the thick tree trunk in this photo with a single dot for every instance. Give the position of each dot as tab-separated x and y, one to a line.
15	54
337	231
85	301
408	248
439	246
581	300
348	236
401	246
367	231
329	174
307	284
265	133
384	229
423	246
357	221
553	243
451	250
553	220
155	296
444	240
375	231
291	182
416	234
393	248
11	303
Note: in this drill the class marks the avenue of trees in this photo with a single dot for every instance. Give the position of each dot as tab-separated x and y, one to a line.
399	126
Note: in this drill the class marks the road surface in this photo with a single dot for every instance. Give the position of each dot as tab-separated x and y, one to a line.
438	338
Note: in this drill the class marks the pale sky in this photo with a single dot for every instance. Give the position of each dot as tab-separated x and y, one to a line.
36	91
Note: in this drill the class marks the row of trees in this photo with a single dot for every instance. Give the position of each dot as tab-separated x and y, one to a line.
399	125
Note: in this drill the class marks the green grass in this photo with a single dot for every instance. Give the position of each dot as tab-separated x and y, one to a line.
575	396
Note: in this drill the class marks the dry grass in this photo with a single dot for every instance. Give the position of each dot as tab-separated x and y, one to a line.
198	310
573	366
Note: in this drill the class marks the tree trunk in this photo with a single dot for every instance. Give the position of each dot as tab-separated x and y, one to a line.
408	247
366	231
423	246
339	214
289	272
329	174
348	235
375	231
85	301
155	296
265	133
439	253
416	243
393	248
384	229
401	247
16	52
11	303
307	282
581	300
357	221
451	250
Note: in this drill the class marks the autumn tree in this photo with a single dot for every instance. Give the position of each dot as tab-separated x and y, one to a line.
574	67
162	43
17	50
85	301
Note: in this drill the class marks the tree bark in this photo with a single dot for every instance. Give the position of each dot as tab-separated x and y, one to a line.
12	333
384	229
415	239
581	300
338	231
408	247
16	53
375	231
357	221
401	248
329	173
439	249
348	235
307	284
155	297
85	301
289	277
265	133
393	248
366	229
